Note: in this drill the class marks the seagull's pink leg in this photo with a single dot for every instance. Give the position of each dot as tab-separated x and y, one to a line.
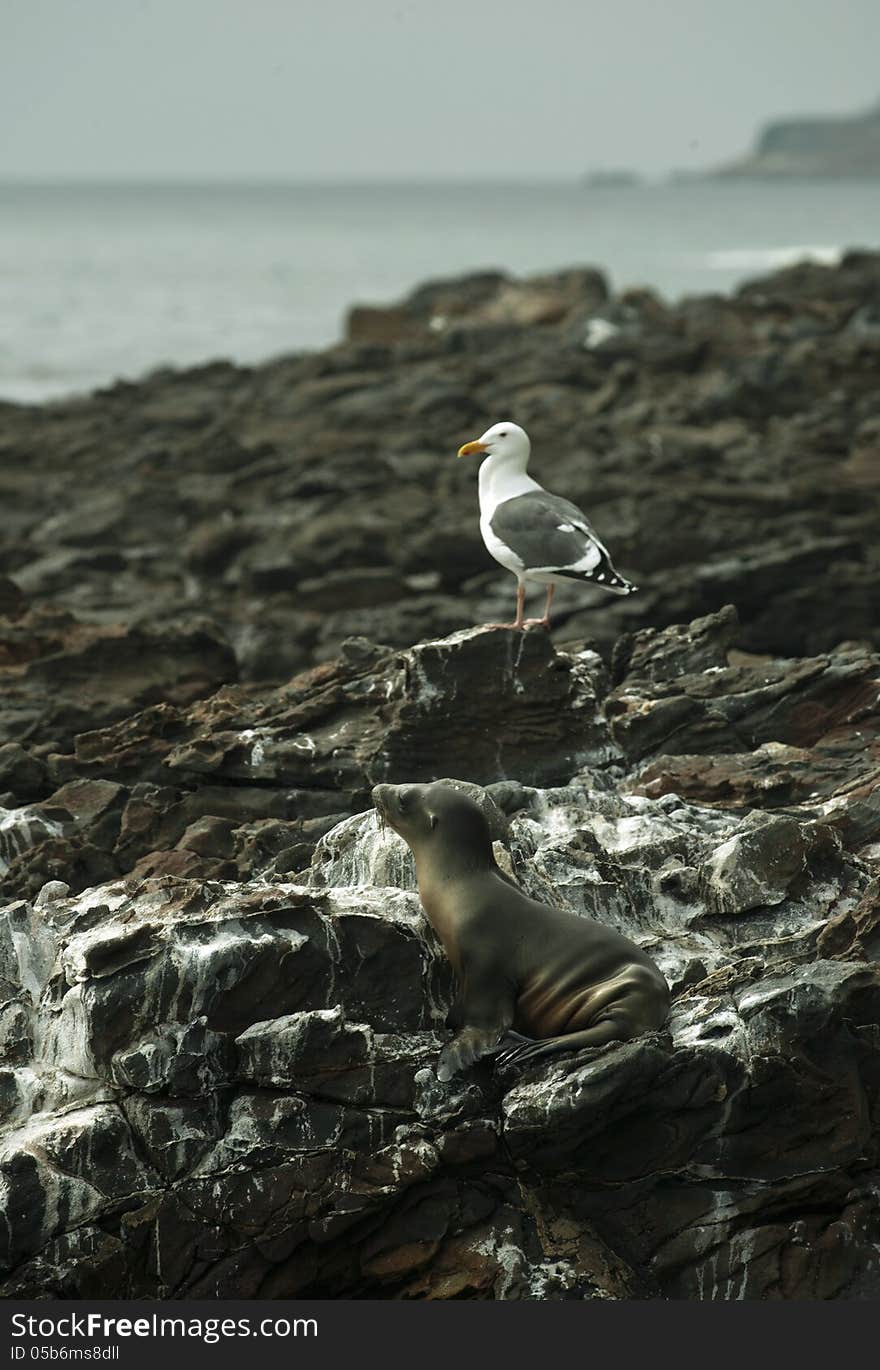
545	621
518	621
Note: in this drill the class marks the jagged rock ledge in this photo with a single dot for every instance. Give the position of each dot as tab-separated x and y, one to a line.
221	1003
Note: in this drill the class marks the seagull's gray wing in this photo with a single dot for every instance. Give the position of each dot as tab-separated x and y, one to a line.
551	534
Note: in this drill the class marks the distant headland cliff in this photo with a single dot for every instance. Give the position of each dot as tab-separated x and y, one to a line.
833	145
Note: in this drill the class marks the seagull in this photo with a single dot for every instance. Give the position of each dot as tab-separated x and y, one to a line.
538	536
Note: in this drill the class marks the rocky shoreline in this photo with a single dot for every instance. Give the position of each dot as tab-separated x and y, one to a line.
233	600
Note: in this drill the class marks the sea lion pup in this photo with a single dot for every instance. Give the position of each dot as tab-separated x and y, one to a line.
547	974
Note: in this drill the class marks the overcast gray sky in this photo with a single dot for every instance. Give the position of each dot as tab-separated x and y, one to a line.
333	89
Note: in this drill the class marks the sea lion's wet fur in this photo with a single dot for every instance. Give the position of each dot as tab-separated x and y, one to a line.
550	975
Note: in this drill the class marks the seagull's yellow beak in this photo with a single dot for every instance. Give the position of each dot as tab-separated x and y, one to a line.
470	448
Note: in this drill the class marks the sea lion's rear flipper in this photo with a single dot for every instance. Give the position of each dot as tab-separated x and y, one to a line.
599	1035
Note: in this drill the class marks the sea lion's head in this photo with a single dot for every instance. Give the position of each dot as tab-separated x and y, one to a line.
435	814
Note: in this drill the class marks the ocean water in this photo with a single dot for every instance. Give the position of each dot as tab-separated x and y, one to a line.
100	282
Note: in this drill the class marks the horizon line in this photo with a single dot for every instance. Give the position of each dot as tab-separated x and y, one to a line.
634	178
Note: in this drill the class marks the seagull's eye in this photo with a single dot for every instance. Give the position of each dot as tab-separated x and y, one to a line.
502	435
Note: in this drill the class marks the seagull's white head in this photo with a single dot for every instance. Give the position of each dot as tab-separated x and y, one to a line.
505	441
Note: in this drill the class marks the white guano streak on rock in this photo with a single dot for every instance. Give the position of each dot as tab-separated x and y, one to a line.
21	829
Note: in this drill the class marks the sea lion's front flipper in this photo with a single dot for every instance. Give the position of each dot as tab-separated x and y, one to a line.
466	1047
485	1005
